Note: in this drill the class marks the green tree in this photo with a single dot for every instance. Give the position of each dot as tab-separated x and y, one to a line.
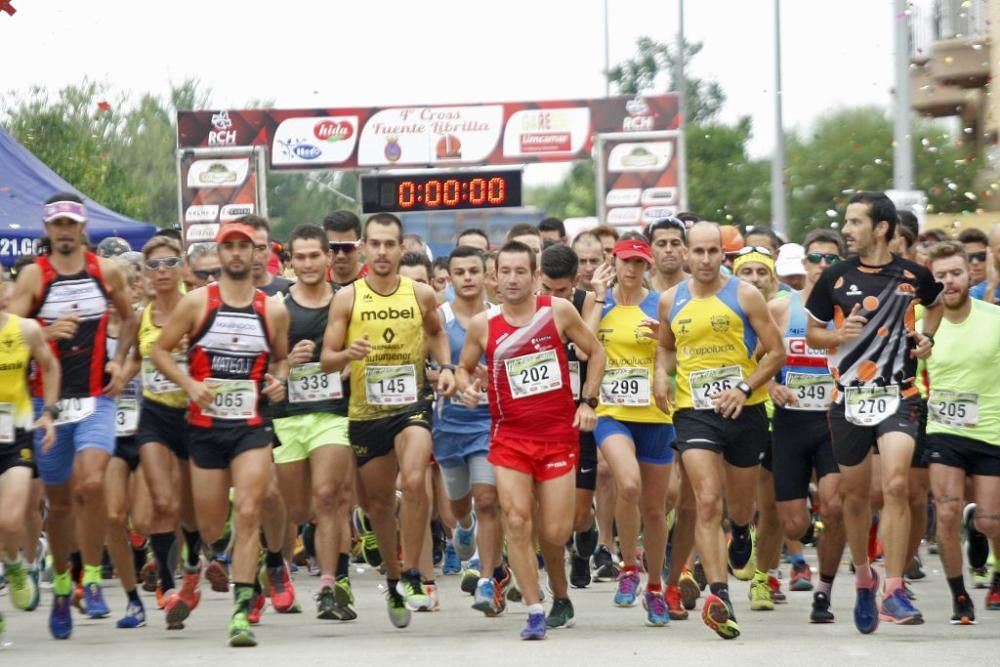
851	149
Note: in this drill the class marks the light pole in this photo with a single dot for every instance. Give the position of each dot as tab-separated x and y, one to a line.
779	207
902	153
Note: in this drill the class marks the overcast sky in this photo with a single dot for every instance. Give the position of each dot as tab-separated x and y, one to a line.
380	52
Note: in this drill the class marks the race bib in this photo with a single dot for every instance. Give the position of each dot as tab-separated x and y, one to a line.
533	374
232	399
126	417
157	382
73	410
812	391
574	378
953	408
625	386
391	385
6	422
869	406
308	383
706	384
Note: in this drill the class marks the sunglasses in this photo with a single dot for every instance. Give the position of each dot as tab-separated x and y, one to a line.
746	250
977	256
206	274
162	263
817	257
346	247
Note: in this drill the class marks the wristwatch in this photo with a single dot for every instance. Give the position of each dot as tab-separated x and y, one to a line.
53	410
745	388
592	402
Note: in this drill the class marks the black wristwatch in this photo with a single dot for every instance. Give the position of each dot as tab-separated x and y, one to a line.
53	410
745	388
929	337
447	367
592	402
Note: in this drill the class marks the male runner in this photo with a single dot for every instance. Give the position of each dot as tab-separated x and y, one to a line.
236	357
553	229
474	237
202	265
713	325
560	278
461	443
385	324
315	463
801	438
70	293
534	443
667	239
872	354
21	341
590	255
343	232
963	430
262	278
529	236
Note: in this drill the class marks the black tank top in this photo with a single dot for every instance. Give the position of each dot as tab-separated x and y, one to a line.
82	357
309	324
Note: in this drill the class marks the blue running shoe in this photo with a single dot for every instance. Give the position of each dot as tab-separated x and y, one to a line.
135	616
485	594
464	539
93	601
535	629
897	608
628	589
657	614
452	565
865	609
60	619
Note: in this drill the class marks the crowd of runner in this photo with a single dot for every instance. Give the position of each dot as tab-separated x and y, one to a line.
662	408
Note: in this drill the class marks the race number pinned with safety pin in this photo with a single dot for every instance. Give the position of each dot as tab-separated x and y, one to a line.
870	406
391	385
72	410
232	399
6	423
813	391
533	374
706	384
954	408
625	386
308	383
126	417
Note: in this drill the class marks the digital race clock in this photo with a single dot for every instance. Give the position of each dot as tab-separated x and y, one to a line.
440	190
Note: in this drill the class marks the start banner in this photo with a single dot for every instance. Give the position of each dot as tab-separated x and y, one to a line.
427	136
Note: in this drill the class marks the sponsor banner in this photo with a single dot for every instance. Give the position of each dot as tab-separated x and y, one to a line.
640	178
216	188
455	135
322	140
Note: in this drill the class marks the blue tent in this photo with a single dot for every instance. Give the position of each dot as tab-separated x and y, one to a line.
25	183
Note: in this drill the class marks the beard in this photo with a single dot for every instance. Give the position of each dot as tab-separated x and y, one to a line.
236	274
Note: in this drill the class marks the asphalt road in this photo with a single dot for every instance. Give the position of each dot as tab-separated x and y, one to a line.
457	635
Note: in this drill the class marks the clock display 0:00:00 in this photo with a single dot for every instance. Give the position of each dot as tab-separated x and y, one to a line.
452	192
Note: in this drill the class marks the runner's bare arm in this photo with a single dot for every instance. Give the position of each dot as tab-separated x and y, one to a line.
129	323
753	304
334	357
437	338
181	323
573	328
666	354
472	351
277	375
33	336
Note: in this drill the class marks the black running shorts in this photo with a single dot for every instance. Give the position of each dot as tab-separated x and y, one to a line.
852	443
975	457
215	448
801	444
741	441
374	438
586	463
164	425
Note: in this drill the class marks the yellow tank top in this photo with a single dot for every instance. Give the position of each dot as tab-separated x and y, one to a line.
627	386
14	358
156	387
390	379
715	345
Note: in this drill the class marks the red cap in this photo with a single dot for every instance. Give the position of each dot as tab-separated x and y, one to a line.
634	249
732	240
231	229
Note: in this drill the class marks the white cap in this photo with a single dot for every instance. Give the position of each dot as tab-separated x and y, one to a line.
789	262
